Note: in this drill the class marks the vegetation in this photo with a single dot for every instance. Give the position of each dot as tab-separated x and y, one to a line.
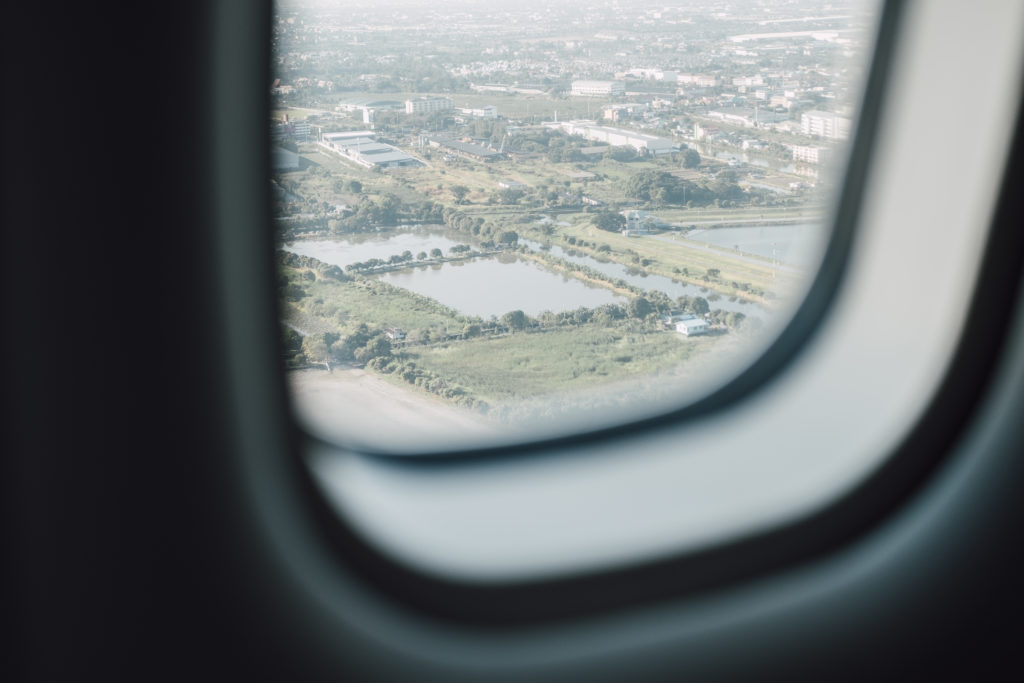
503	370
564	194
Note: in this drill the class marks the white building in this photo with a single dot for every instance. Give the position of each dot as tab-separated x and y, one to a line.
488	111
427	105
747	117
690	327
700	80
618	137
810	154
748	81
365	151
825	124
598	88
615	112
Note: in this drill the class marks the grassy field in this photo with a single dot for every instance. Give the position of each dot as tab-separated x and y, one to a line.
528	365
344	305
294	113
768	213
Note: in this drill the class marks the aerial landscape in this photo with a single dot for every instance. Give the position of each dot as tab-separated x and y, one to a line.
492	216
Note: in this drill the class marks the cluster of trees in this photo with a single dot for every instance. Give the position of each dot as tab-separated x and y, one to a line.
386	210
610	221
314	265
662	187
562	148
363	345
463	222
623	153
734	320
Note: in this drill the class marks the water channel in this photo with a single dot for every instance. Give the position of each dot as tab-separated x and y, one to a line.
659	283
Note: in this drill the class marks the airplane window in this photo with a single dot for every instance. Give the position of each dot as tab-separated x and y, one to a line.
511	222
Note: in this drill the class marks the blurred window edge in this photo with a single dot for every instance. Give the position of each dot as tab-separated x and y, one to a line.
853	393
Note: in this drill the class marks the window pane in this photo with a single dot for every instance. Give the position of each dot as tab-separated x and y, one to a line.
517	221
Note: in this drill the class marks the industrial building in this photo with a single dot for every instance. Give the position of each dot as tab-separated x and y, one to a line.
361	148
618	137
427	105
598	88
488	111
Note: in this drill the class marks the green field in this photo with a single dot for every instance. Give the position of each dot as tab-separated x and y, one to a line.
521	366
344	305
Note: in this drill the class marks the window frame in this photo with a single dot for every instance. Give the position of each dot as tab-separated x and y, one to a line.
917	457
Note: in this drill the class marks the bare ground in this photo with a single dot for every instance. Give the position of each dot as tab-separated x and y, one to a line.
356	407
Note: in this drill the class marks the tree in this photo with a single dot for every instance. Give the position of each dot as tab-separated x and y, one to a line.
422	256
315	348
621	153
291	340
459	192
609	221
435	253
509	237
515	319
378	347
640	308
700	305
691	159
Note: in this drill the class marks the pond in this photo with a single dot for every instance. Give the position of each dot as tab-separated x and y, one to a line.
355	248
486	286
497	284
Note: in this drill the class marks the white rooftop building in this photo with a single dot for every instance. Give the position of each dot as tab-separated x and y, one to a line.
598	88
618	137
689	327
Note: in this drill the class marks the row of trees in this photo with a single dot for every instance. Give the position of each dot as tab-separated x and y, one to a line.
314	265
